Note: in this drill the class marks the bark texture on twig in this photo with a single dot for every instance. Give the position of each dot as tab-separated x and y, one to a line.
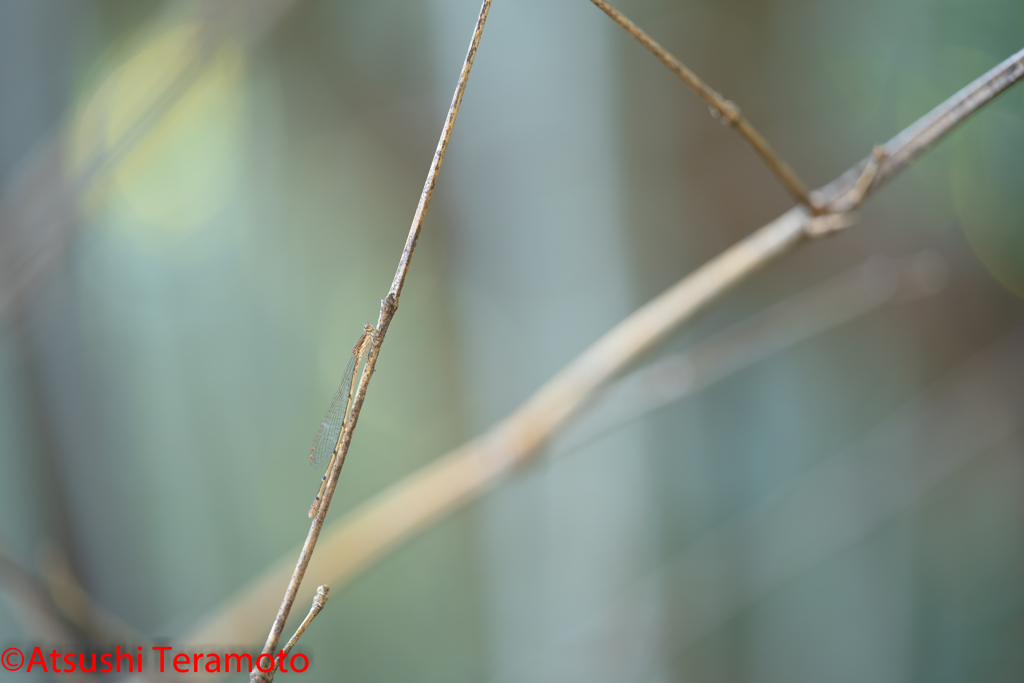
721	108
387	311
415	502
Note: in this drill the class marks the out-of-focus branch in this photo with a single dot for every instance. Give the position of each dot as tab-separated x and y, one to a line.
430	493
877	281
29	601
721	108
387	311
849	495
77	605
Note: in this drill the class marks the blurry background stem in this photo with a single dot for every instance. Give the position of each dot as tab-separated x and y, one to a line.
77	605
31	604
877	281
848	495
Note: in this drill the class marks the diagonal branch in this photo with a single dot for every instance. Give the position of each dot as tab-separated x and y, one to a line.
915	139
432	492
822	307
387	311
721	108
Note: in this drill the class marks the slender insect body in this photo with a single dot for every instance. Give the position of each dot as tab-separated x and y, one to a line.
332	428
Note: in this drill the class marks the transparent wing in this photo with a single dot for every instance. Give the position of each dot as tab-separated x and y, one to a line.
333	422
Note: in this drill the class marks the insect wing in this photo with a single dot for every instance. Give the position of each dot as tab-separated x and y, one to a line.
327	436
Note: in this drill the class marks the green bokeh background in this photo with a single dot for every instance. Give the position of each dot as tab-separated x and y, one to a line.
161	381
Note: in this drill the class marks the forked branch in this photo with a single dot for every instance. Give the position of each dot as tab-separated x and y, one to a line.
319	601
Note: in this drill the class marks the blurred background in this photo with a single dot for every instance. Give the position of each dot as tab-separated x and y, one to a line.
203	202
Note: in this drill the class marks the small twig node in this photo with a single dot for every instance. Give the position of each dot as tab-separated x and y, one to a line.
829	224
867	176
728	114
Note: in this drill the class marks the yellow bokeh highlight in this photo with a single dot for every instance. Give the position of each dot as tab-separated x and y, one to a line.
986	194
169	120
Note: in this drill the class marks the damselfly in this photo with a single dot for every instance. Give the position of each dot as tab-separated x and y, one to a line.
328	437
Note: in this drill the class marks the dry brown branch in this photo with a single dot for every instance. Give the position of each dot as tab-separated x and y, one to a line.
370	531
387	311
721	108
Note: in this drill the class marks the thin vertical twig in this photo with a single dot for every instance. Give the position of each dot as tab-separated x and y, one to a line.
387	311
722	108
